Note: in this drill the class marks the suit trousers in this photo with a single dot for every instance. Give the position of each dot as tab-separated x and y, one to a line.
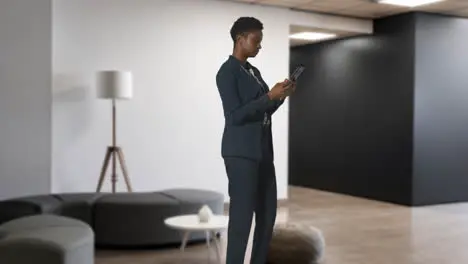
252	190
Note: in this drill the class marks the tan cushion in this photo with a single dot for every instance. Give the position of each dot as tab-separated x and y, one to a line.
296	243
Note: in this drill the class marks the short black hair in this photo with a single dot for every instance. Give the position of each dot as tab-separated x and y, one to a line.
245	25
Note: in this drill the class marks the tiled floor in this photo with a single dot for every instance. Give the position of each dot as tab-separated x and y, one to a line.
357	231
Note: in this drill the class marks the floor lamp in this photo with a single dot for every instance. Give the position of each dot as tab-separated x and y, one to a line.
114	85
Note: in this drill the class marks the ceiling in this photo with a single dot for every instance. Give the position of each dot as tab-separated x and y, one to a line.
299	29
364	8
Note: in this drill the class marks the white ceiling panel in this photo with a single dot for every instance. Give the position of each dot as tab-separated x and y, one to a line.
364	8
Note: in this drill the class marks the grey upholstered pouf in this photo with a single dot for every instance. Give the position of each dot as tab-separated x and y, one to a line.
46	239
296	243
137	219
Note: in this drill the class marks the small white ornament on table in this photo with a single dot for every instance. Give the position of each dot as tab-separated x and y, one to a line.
205	214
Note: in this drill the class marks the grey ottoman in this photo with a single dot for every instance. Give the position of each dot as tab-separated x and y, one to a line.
30	205
78	205
296	243
137	219
46	239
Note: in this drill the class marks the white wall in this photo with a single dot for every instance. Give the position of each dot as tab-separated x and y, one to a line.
171	130
25	97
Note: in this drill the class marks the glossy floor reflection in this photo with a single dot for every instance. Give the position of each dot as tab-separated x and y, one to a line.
357	231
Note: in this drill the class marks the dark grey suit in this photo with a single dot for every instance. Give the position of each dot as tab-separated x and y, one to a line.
247	150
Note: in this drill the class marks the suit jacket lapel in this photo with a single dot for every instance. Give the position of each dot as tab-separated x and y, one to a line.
258	78
263	85
252	80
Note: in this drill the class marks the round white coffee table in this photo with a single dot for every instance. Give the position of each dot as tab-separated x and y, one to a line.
190	223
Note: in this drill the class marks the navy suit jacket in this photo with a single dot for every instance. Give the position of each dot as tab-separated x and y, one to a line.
245	103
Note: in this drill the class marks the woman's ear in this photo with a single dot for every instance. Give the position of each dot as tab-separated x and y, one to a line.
241	37
238	38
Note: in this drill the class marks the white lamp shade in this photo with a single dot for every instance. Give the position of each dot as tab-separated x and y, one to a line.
114	85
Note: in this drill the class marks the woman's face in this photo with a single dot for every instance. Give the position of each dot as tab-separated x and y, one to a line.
251	42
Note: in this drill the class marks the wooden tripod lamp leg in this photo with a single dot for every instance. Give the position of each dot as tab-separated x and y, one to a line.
123	166
105	164
114	170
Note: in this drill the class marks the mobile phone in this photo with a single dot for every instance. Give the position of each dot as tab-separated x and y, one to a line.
297	72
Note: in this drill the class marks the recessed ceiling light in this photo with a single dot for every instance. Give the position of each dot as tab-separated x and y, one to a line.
408	3
312	36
